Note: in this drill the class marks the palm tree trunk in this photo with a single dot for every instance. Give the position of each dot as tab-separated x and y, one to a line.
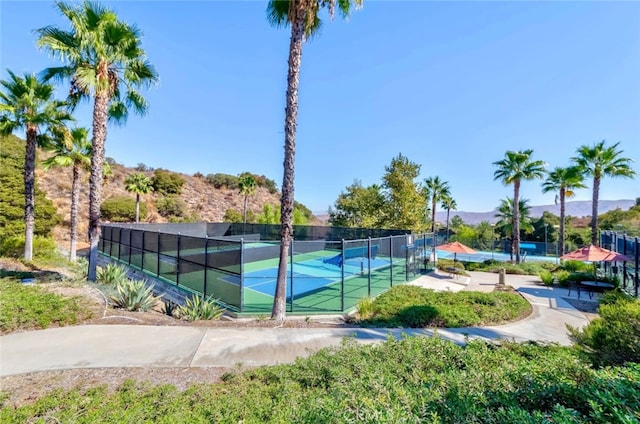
75	196
244	209
286	202
29	191
516	219
594	212
433	226
562	212
137	207
100	115
448	211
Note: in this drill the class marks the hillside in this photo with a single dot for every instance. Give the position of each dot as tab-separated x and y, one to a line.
202	198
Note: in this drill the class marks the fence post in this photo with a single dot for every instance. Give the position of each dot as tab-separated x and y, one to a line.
119	242
130	236
206	264
342	278
369	266
178	262
241	274
637	249
391	260
158	261
624	264
291	272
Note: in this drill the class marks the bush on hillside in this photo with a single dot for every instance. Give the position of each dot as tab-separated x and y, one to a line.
172	206
43	247
121	209
166	182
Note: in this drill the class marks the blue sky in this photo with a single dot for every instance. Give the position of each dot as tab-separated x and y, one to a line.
451	85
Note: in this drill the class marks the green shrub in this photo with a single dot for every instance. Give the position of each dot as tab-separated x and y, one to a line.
231	215
576	266
166	182
614	296
133	295
30	307
197	308
614	337
111	274
223	180
365	307
171	206
546	277
43	247
121	209
563	278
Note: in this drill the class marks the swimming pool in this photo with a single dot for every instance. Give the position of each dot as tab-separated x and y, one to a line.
483	255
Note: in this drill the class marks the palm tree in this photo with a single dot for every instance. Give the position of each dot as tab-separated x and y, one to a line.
138	184
247	186
448	203
505	214
436	190
303	18
72	148
104	61
28	104
601	161
515	167
563	181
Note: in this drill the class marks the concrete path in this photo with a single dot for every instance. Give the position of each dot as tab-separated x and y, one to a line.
98	346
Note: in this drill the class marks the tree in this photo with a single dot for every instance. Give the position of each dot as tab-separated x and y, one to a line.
104	61
563	181
448	203
247	187
26	103
358	206
303	18
138	184
436	191
515	167
506	222
72	148
405	201
600	161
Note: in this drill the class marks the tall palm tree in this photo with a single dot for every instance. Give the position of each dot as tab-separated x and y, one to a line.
138	184
303	18
26	103
436	190
600	161
72	148
564	181
505	214
247	186
515	167
448	203
104	62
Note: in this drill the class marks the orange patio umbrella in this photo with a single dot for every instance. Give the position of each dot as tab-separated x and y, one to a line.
455	248
593	253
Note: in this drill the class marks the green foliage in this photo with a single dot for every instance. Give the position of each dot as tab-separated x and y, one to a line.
547	277
12	194
198	308
576	266
172	206
405	202
166	182
412	380
614	337
223	180
133	295
614	296
411	306
271	215
43	247
232	215
524	268
358	206
563	277
111	274
365	307
121	209
30	307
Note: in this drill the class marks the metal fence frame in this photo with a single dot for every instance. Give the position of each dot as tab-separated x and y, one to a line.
628	246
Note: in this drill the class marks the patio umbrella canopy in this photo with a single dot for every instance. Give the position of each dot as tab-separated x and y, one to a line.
593	253
455	248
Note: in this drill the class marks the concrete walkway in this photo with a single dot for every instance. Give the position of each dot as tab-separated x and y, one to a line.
98	346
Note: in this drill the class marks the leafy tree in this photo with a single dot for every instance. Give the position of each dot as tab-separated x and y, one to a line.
405	202
72	148
172	207
515	167
231	215
447	204
564	181
247	187
12	224
505	225
121	209
138	184
103	60
456	222
223	180
358	206
271	215
599	161
26	103
166	182
303	18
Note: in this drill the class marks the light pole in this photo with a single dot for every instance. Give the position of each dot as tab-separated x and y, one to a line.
545	239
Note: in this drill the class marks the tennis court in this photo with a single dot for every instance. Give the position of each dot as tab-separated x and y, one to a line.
483	255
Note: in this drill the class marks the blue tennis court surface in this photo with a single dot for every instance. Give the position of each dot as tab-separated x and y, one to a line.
309	276
482	256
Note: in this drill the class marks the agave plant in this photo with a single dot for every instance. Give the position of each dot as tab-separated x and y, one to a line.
112	274
133	295
169	308
197	308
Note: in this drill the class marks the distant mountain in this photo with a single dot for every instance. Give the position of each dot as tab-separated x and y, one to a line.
579	208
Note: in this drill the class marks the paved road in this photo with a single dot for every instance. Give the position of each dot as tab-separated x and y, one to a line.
98	346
